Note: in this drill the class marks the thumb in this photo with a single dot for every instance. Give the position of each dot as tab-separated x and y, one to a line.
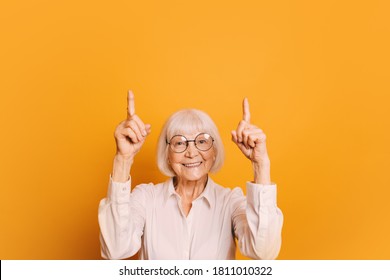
234	136
240	145
148	128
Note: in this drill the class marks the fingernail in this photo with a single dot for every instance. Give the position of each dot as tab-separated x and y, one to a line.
144	132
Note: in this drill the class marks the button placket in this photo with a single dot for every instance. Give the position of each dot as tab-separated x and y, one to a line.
186	251
187	238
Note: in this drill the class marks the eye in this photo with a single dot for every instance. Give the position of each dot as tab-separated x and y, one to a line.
180	143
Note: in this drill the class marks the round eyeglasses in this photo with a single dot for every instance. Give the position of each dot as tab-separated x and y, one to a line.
203	142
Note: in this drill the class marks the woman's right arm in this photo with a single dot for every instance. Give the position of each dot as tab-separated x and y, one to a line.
129	135
121	216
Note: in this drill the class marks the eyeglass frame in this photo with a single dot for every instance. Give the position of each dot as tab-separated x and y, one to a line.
188	141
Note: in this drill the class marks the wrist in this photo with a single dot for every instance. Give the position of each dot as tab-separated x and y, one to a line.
124	158
121	168
261	163
262	172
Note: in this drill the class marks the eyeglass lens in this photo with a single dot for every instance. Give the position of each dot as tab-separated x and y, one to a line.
179	143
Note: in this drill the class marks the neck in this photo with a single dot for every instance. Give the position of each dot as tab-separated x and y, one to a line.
189	190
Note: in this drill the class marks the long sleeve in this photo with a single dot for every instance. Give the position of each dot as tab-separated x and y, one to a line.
121	220
257	221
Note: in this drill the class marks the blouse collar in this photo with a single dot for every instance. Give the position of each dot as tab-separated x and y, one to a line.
208	193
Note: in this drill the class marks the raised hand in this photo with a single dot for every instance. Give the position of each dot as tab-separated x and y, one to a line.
249	138
131	133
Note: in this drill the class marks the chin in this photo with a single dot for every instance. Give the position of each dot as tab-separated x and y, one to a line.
193	177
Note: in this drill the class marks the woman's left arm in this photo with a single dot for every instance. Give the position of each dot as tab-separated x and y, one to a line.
257	220
251	141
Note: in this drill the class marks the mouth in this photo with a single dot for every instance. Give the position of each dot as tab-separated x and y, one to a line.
191	165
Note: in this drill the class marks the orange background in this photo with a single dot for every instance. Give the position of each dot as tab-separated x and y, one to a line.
316	74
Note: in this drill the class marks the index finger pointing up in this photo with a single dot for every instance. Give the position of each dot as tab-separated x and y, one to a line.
246	116
130	104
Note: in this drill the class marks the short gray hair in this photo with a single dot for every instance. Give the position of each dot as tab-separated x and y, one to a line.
188	121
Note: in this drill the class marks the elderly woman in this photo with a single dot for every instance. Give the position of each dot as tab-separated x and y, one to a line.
189	216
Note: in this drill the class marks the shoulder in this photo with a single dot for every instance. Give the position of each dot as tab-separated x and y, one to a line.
150	189
232	199
226	193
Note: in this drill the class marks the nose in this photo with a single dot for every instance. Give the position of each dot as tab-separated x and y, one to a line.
191	150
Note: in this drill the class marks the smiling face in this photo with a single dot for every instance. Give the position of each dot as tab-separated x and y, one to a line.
189	123
192	164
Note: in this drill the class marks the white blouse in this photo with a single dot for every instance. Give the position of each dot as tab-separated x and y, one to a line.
151	218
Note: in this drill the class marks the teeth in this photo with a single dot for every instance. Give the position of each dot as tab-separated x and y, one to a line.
192	164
